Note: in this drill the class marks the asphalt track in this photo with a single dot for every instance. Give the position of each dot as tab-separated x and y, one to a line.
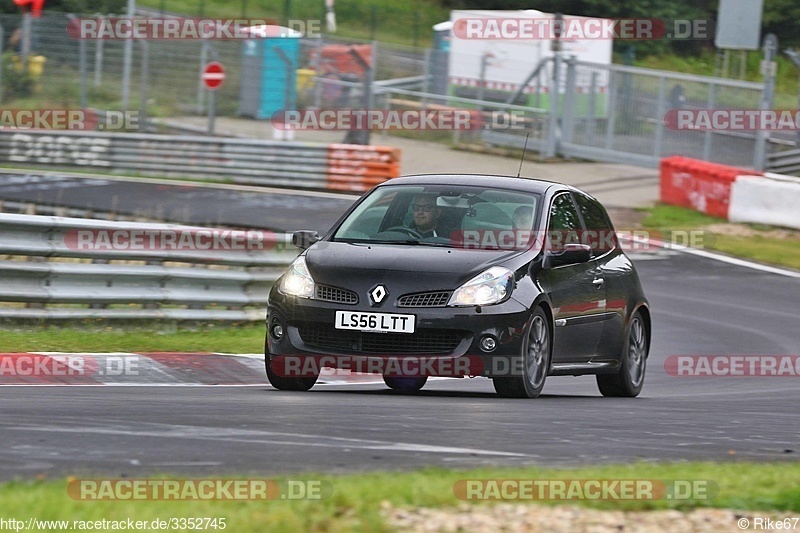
179	202
700	306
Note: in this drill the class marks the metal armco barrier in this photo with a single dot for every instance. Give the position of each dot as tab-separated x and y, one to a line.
254	162
69	268
786	162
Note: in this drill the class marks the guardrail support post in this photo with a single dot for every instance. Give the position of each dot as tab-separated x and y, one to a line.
568	116
770	47
145	79
552	131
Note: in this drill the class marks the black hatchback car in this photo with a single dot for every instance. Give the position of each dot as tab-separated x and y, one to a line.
510	278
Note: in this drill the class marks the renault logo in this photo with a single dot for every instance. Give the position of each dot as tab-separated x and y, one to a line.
377	294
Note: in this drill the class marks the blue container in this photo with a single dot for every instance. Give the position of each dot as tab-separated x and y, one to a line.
269	65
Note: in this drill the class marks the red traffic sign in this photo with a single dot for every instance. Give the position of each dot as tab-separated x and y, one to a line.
213	75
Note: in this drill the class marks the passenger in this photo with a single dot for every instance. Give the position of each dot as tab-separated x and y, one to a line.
523	217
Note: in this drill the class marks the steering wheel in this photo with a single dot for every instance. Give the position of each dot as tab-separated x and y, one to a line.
405	229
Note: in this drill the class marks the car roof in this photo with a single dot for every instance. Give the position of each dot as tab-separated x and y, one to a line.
479	180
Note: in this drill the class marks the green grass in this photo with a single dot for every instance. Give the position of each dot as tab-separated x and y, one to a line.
672	216
390	21
761	246
762	249
786	83
247	338
356	499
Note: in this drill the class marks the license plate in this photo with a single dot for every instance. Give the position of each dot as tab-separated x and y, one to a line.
383	322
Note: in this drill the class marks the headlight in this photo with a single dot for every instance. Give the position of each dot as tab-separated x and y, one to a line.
297	281
486	288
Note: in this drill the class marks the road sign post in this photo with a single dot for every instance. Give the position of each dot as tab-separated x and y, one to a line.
213	76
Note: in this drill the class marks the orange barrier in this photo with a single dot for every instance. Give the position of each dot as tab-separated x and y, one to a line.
355	167
338	59
700	185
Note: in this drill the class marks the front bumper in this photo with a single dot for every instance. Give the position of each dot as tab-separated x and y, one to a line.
446	340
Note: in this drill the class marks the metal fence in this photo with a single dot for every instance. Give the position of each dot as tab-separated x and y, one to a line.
165	74
575	109
48	274
616	113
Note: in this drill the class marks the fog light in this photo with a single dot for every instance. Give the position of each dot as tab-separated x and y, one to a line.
277	332
488	344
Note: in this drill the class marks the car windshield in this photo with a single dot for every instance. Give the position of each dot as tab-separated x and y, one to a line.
448	216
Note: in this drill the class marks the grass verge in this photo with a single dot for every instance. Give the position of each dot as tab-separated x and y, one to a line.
760	243
356	499
246	338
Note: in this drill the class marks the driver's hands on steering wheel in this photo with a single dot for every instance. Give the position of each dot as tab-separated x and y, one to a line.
405	229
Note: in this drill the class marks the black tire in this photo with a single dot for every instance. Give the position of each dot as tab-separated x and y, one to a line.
288	383
537	348
405	384
628	382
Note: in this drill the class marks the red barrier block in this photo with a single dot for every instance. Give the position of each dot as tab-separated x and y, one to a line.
699	185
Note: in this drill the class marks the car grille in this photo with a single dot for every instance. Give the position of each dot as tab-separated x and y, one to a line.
335	294
422	342
424	299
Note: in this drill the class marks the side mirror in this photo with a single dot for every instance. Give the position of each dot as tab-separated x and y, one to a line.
571	254
304	238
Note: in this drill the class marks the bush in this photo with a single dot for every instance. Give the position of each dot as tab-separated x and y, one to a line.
18	82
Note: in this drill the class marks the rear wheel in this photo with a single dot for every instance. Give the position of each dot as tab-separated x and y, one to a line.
287	383
536	350
405	384
628	382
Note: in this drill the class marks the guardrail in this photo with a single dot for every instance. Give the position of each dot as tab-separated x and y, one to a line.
786	161
247	161
56	268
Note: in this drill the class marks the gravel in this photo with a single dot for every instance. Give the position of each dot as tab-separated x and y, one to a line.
536	518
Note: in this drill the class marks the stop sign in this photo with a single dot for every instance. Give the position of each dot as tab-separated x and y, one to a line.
213	75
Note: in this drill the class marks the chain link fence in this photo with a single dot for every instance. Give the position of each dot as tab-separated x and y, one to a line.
564	107
616	113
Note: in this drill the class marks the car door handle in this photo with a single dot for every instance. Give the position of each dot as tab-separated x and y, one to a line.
598	282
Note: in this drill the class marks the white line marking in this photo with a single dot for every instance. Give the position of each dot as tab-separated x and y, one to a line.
266	437
719	257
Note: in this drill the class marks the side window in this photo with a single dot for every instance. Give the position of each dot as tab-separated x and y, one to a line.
565	224
599	231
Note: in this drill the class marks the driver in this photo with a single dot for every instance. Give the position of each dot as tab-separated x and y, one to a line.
426	215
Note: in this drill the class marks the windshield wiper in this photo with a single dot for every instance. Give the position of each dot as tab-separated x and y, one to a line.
408	241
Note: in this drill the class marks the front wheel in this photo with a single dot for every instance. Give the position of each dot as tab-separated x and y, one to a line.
628	382
287	383
536	350
405	384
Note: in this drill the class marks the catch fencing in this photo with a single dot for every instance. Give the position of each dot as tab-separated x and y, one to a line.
57	268
611	113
